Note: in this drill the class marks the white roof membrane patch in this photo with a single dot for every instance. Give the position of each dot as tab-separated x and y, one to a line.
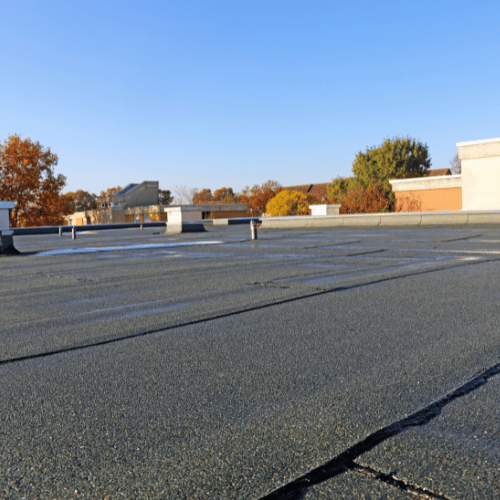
128	247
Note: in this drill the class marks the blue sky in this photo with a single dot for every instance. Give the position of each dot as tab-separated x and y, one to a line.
234	93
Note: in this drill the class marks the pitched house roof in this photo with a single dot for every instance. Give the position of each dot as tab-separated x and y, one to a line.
437	171
317	191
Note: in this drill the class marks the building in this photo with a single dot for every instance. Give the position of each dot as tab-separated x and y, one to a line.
476	188
139	203
112	209
437	191
154	213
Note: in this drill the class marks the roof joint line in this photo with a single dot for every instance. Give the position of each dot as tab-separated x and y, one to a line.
345	460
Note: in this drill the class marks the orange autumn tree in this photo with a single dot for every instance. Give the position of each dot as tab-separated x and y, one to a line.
355	198
258	197
225	195
105	195
81	200
202	197
27	178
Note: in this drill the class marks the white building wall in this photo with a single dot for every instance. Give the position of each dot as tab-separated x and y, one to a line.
480	174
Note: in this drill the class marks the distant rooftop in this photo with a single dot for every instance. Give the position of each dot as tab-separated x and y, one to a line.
436	172
126	189
318	191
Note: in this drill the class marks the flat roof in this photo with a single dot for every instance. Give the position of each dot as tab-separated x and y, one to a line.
210	365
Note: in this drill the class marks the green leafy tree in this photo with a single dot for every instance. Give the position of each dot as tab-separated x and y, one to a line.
337	188
165	197
397	158
288	203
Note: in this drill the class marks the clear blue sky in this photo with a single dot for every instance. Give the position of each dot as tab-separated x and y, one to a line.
233	93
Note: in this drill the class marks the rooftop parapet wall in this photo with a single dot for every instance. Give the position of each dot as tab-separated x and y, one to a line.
480	174
428	193
424	183
384	219
471	150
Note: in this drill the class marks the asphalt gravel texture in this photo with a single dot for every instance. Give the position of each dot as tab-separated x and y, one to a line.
315	364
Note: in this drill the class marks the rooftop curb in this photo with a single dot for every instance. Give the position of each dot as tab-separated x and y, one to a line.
375	220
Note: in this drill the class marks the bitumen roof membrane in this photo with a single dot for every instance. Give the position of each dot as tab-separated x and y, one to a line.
310	363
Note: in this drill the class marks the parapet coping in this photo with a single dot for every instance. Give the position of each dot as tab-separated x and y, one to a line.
420	179
481	141
427	183
326	205
458	217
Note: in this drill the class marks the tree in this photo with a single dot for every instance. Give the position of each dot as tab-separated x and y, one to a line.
202	197
104	198
337	188
70	200
354	197
224	195
184	195
107	193
456	165
258	197
82	200
358	199
288	203
396	158
165	197
27	178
